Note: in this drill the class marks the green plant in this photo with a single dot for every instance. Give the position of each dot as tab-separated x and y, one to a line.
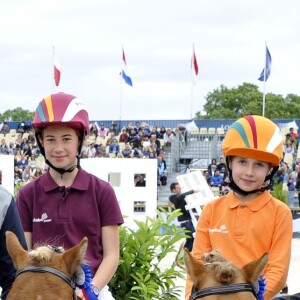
140	274
279	193
17	187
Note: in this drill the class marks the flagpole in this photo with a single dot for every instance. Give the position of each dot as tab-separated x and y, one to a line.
264	90
192	90
121	97
52	81
193	62
192	81
264	99
121	92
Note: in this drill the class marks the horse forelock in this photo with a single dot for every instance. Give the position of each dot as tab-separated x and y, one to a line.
41	254
225	272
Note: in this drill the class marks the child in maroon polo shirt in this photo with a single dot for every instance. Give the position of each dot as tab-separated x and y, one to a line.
67	203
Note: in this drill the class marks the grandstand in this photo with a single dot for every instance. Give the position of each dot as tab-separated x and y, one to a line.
195	150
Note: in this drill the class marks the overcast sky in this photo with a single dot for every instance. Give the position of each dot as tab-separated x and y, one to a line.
158	35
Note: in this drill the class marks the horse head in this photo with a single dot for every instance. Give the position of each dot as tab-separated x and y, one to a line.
43	273
220	279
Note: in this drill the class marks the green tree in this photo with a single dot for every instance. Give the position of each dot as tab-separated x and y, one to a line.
246	99
293	105
17	114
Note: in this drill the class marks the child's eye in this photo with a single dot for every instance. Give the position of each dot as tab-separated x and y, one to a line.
260	165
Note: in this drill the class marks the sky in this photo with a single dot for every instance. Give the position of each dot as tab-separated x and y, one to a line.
229	37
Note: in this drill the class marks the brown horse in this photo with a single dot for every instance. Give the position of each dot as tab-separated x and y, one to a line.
43	274
220	279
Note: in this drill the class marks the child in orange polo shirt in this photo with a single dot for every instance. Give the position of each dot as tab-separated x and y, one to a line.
249	221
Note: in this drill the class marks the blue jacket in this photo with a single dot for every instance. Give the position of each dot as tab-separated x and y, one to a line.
114	148
216	180
9	220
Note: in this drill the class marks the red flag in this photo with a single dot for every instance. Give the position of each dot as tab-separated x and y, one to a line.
57	70
194	63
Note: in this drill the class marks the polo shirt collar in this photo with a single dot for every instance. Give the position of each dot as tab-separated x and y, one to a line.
81	181
254	205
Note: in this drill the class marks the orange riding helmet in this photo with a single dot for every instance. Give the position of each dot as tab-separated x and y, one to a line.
254	137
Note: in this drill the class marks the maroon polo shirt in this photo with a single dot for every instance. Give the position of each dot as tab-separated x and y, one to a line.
63	216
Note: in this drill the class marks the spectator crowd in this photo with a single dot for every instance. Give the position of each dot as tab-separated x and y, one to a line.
137	140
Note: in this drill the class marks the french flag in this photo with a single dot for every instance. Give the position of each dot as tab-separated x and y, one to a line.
57	69
124	73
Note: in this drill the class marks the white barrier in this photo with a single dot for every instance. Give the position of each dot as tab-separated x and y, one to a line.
135	202
7	169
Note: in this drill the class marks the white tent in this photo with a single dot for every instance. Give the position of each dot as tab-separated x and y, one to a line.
292	124
189	126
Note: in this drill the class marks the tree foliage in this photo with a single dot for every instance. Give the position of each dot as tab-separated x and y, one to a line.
246	99
17	114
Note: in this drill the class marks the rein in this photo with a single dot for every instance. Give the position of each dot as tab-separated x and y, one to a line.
221	289
55	272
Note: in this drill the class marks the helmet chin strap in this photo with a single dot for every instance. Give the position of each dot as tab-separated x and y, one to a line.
268	180
62	171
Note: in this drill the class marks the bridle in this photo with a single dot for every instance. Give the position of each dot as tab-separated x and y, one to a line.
45	269
222	289
55	272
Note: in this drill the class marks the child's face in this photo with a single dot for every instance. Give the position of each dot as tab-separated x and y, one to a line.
61	145
249	174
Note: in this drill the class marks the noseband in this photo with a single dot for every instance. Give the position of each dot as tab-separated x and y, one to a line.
222	289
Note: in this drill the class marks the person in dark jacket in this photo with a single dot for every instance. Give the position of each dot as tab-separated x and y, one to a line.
9	221
185	220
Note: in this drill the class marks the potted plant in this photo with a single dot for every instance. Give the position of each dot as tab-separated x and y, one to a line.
141	274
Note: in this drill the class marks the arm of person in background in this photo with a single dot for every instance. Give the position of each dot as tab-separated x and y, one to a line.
9	221
180	197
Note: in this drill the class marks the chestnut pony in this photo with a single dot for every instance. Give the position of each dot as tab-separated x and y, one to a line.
219	279
44	274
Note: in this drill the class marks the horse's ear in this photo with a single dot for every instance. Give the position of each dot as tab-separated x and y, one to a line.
253	270
15	250
74	256
195	269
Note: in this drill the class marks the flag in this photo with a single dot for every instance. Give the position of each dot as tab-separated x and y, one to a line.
194	63
57	69
124	73
267	70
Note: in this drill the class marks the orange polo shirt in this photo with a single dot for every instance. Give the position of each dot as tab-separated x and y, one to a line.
244	232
